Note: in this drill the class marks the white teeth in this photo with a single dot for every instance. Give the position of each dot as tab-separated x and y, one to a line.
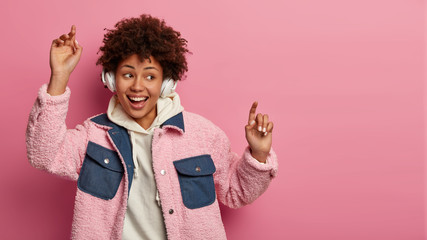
137	99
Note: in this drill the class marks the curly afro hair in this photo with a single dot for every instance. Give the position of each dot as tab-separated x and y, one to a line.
145	36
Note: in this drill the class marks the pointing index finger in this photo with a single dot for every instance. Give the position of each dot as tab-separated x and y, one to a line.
252	113
72	35
72	31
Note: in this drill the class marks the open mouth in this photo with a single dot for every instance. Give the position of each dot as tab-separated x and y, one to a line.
137	102
137	99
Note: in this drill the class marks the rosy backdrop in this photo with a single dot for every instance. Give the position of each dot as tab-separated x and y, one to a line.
342	80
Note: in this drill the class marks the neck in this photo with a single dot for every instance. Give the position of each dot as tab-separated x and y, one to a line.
147	120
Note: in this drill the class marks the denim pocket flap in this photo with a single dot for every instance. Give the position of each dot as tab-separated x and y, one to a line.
195	166
105	157
195	175
101	172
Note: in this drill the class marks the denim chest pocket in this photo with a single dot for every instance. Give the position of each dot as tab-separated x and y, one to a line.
195	175
101	172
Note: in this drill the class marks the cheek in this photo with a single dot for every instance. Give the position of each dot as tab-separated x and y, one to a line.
121	99
120	86
120	91
154	89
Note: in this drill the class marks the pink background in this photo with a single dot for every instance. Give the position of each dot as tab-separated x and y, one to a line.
343	82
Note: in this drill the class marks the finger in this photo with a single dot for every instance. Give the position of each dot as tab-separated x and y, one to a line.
72	32
270	126
265	122
252	113
57	42
259	120
77	45
78	49
64	37
68	41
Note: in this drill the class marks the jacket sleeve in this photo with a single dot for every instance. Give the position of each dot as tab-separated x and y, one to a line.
241	180
50	145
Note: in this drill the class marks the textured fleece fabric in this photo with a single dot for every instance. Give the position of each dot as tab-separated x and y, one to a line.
58	150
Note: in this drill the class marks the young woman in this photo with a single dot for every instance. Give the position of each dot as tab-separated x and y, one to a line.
145	169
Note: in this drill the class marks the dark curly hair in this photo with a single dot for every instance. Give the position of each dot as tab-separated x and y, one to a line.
145	36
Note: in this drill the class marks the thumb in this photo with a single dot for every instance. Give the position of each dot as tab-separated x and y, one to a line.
250	126
79	48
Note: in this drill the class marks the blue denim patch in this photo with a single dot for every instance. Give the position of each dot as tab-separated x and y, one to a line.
101	172
120	137
195	175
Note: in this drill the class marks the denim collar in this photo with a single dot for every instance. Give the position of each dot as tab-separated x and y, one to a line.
176	122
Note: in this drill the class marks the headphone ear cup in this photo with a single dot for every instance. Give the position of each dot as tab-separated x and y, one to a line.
109	80
168	87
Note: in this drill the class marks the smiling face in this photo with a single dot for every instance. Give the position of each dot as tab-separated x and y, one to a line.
138	87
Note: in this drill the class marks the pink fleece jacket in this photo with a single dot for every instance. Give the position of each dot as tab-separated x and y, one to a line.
192	163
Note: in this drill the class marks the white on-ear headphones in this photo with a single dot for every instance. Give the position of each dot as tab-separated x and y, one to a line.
109	80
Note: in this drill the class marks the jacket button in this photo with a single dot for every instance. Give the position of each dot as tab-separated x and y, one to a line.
170	211
107	161
198	169
163	172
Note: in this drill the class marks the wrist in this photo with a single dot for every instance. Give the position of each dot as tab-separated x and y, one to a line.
259	156
57	84
59	75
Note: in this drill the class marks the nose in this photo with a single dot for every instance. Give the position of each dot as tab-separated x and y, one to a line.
138	85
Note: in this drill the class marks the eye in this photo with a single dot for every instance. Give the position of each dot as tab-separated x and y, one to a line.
149	77
127	75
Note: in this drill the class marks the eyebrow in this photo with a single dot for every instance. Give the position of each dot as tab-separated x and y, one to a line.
129	66
146	68
151	68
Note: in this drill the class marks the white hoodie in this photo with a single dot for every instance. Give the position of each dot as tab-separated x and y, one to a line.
144	219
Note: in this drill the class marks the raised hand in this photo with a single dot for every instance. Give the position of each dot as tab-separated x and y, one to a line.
259	134
65	53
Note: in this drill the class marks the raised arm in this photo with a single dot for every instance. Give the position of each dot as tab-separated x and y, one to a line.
50	145
241	180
